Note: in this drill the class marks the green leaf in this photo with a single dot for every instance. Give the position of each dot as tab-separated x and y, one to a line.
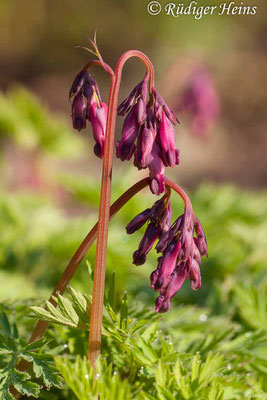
43	368
124	312
67	310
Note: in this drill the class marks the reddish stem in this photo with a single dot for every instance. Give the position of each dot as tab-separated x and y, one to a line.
77	258
181	193
79	255
102	232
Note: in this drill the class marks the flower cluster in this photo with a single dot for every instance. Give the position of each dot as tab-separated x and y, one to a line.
87	104
148	134
181	251
201	101
159	218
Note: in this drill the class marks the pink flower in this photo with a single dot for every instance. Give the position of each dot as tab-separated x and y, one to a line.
97	115
150	123
182	244
166	135
87	104
79	112
156	170
200	100
168	264
126	147
178	277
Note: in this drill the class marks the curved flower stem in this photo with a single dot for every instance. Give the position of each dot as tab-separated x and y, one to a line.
77	258
181	193
102	231
79	255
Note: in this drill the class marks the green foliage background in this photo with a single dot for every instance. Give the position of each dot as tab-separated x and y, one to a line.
211	345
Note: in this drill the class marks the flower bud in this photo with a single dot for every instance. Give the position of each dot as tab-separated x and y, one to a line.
125	147
167	141
145	142
194	275
168	264
166	218
177	279
200	100
78	82
98	118
160	102
79	112
164	241
157	171
151	235
138	221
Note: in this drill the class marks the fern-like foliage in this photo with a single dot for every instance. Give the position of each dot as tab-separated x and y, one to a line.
142	362
12	351
79	376
252	306
72	311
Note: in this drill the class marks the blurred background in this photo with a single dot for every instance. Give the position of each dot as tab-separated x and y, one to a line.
211	71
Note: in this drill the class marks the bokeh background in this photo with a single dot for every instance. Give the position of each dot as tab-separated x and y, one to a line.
50	178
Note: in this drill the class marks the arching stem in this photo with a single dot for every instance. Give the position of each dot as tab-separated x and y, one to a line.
102	231
86	244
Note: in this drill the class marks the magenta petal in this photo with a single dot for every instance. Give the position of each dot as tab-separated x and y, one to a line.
138	221
151	235
167	141
145	142
157	170
194	275
125	147
168	264
98	117
79	112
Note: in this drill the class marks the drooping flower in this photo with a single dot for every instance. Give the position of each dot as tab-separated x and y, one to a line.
200	100
148	133
181	258
181	245
159	218
157	170
79	112
97	115
87	105
126	147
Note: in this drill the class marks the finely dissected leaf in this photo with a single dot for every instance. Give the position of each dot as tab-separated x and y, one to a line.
216	392
57	314
195	367
67	310
161	374
148	350
42	367
5	349
124	312
51	315
182	380
252	305
22	381
111	291
37	345
212	367
90	270
80	304
79	376
28	388
5	324
73	312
